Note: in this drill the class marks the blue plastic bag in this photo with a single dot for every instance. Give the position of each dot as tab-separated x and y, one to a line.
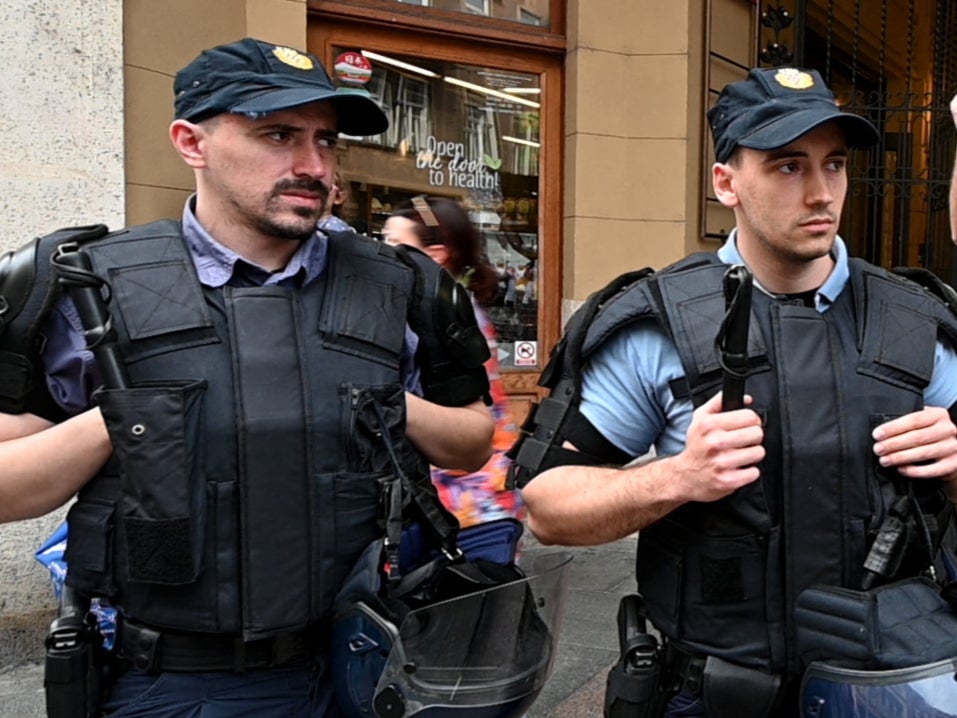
50	554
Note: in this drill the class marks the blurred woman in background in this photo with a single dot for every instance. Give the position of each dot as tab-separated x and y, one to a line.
441	228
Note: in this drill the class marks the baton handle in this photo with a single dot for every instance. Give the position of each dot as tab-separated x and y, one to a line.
734	351
83	287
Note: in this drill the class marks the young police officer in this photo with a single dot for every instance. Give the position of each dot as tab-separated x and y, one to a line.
267	362
852	375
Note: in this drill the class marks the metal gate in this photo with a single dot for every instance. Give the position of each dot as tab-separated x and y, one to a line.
895	62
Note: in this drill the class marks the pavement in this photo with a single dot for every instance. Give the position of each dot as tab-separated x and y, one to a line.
587	646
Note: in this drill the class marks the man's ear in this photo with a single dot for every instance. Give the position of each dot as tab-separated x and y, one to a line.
722	177
187	139
438	252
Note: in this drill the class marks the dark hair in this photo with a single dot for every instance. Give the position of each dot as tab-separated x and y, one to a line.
439	220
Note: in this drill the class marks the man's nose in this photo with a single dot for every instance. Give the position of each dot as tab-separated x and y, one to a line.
311	161
819	190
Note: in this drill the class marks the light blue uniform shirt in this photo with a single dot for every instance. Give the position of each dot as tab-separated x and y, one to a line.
625	387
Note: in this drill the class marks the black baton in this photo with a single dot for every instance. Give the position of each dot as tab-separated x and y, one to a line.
75	273
731	343
73	670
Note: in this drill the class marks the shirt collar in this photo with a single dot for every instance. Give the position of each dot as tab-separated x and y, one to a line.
216	263
828	292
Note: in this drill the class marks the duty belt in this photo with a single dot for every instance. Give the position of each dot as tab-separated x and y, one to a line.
154	650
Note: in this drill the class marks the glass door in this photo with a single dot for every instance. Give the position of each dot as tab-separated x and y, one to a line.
479	127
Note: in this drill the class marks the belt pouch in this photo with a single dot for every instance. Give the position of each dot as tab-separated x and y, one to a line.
733	691
155	430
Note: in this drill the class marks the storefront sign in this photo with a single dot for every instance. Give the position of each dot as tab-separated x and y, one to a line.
353	69
448	166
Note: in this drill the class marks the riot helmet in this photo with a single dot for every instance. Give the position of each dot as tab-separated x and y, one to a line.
483	654
929	691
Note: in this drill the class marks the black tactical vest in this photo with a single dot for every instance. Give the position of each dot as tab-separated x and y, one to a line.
721	578
248	454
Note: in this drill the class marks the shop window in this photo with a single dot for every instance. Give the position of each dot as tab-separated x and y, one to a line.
479	7
410	114
528	12
466	132
480	132
405	99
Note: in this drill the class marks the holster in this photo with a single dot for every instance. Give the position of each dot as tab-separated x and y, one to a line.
634	688
75	661
631	695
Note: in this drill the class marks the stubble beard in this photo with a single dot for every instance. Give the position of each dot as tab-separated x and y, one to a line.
290	229
271	222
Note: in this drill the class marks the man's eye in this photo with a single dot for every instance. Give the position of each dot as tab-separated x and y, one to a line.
329	143
278	136
788	168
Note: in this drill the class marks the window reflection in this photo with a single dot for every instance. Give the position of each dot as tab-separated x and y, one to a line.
466	132
530	12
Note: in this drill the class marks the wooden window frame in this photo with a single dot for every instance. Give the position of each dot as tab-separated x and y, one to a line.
445	23
329	33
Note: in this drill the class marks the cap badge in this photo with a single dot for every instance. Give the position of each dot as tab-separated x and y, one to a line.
794	79
293	57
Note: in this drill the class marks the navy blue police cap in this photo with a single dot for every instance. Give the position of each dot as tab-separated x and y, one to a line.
255	78
772	107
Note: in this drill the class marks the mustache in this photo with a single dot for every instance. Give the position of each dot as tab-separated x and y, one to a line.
301	185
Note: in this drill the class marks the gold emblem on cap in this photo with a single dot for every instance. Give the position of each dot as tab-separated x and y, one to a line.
293	57
794	79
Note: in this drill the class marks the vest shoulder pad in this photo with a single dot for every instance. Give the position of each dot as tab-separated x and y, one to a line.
452	349
920	290
650	296
629	296
933	285
28	290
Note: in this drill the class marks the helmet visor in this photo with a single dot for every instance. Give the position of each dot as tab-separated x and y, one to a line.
927	690
491	648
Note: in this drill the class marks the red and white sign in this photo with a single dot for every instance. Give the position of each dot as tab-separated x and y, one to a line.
526	353
353	69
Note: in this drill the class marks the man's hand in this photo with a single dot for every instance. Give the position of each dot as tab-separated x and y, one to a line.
920	445
721	454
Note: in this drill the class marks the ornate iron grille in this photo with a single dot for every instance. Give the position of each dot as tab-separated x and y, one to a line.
895	62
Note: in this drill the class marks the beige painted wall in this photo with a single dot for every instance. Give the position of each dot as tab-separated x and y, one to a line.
61	92
632	132
61	163
162	37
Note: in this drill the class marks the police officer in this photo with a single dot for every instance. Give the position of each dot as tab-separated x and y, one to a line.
227	490
846	407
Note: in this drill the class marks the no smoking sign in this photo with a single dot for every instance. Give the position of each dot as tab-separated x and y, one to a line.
526	353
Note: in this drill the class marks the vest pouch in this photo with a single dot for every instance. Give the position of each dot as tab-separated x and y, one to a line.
371	411
156	435
708	592
89	550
